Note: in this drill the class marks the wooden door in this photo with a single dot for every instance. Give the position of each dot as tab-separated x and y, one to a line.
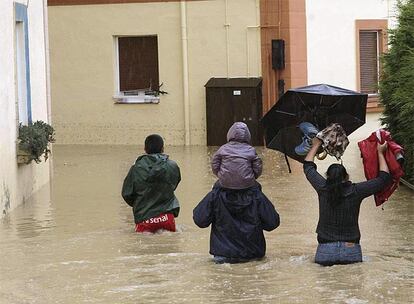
219	115
228	105
247	109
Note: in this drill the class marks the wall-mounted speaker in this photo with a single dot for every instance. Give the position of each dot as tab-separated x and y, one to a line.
278	54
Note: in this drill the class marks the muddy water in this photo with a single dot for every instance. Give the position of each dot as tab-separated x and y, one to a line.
74	241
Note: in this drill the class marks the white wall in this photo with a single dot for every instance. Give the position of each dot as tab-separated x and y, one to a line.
331	37
18	183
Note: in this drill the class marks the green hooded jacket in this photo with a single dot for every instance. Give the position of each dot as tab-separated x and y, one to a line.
149	186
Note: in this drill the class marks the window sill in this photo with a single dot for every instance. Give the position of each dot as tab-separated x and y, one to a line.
373	104
137	99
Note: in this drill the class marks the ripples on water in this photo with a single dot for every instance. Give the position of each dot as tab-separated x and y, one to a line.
74	242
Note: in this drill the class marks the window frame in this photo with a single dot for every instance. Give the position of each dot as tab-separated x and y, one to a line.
21	29
378	55
381	27
119	97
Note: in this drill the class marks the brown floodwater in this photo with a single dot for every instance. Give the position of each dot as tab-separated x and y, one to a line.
74	241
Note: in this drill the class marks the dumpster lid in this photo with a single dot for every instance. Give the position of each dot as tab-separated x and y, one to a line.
252	82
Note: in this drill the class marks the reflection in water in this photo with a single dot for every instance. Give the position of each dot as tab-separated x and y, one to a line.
33	219
78	246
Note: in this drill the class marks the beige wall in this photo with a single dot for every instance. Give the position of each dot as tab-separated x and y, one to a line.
82	66
18	183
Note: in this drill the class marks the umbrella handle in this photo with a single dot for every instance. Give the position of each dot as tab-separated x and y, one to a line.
322	156
287	162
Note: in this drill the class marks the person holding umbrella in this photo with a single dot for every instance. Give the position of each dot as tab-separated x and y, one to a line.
312	108
339	204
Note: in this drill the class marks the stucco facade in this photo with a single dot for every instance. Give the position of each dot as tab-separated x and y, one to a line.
332	37
197	40
83	71
19	182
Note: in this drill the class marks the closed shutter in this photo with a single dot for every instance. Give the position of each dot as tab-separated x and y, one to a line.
368	56
138	63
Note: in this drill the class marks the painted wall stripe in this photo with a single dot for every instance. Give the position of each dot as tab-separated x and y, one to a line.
21	16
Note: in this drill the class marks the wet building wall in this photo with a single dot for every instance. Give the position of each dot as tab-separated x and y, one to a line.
18	183
223	38
223	41
333	39
282	20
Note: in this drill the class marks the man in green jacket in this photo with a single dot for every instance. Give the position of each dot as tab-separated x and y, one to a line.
149	188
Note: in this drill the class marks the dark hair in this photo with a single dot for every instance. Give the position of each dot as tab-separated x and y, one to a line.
154	144
335	176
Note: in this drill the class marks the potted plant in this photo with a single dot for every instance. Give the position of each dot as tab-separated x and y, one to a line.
33	142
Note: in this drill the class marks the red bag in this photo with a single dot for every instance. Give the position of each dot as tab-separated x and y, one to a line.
368	148
164	221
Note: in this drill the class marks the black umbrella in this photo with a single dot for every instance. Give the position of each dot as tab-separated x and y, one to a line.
319	104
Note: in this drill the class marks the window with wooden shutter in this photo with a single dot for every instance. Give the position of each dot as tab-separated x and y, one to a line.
368	60
138	63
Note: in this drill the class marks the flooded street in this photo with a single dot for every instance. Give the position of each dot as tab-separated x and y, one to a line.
74	242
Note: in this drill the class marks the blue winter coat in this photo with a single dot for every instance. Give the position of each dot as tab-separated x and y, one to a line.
238	218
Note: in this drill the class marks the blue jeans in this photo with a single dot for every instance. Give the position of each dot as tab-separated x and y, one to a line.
329	254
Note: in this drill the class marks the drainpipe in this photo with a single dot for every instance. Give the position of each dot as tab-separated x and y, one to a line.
248	47
184	39
47	72
227	27
47	63
258	44
279	16
259	40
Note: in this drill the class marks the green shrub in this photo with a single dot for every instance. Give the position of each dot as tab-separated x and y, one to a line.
35	139
397	85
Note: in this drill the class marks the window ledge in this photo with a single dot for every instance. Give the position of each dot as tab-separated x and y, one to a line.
374	104
136	99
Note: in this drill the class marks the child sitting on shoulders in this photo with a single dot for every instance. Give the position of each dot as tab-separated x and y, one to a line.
236	207
236	164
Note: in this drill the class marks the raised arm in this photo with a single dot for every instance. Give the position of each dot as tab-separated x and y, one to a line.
309	167
316	143
383	166
375	185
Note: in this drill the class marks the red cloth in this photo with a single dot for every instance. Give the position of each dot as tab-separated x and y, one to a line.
368	148
163	221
